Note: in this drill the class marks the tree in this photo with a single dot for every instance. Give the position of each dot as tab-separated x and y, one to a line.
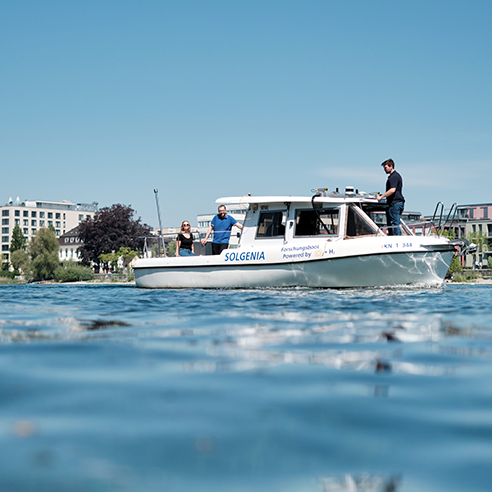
18	241
20	260
43	249
479	238
171	250
112	258
4	265
111	229
455	267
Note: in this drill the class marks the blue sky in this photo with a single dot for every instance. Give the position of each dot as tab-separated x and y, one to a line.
106	100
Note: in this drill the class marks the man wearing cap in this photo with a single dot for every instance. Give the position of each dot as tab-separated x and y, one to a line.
394	197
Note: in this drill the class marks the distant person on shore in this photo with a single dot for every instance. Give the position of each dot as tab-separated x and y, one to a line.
221	226
184	241
394	198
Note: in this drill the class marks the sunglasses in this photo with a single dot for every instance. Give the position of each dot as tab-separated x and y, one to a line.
186	225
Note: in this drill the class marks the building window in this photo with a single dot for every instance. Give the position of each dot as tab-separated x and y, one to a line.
33	231
474	227
5	247
17	221
57	232
64	216
470	213
26	222
33	223
57	215
58	224
33	214
480	227
5	221
50	222
5	213
25	213
81	217
5	230
5	239
41	223
485	212
17	213
50	215
25	231
41	215
66	239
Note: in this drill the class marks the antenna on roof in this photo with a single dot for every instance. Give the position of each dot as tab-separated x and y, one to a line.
156	191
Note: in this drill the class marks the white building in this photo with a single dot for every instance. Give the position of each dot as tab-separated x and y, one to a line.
69	243
32	215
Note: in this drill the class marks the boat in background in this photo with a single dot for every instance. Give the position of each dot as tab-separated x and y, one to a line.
327	240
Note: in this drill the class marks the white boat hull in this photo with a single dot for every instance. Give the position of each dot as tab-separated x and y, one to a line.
387	269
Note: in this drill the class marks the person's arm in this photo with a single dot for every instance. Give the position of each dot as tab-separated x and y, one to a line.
210	229
237	224
387	194
192	245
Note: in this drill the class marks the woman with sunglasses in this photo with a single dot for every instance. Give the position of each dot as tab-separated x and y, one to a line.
184	241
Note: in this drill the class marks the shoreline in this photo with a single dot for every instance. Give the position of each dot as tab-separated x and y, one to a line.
475	281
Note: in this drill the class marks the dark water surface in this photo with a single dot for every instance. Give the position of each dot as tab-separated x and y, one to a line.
111	388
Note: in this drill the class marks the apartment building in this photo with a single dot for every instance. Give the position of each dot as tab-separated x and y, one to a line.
475	218
32	215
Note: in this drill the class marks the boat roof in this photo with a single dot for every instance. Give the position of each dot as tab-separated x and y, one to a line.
325	198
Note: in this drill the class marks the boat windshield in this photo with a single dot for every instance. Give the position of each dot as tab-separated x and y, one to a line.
322	222
357	224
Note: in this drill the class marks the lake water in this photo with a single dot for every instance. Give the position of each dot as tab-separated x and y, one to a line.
112	388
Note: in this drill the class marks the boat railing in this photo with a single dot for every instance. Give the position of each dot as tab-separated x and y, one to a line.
439	224
155	246
404	229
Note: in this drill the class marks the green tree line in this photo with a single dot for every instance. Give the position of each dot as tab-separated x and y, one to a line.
112	234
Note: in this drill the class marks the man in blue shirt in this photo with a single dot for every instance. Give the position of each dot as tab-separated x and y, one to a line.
394	197
221	225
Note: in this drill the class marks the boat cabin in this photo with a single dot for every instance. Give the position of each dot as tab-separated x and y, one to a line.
296	218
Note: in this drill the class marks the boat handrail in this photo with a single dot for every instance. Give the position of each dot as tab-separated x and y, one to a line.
156	238
440	205
452	210
167	234
441	226
402	226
